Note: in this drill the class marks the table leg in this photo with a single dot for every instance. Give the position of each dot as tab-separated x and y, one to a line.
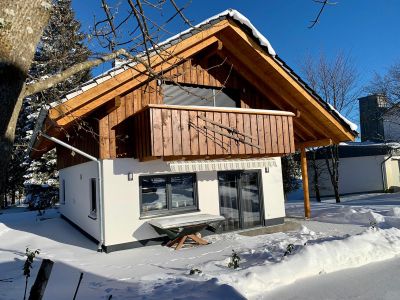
198	240
181	242
172	242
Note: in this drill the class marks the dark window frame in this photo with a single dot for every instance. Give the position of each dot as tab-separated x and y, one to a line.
232	93
93	196
169	210
239	185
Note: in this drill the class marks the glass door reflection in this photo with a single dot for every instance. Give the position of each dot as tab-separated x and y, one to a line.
228	197
240	201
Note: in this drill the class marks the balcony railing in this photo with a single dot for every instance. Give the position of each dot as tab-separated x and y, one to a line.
176	132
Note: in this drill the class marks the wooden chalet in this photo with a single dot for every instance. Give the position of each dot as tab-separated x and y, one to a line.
217	96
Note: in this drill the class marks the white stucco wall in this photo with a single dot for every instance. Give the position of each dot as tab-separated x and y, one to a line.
274	202
392	173
76	206
357	175
122	206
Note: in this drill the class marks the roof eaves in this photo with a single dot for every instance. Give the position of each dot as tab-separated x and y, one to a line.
208	23
347	124
246	25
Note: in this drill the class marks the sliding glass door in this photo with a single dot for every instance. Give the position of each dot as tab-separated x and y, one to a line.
240	199
228	199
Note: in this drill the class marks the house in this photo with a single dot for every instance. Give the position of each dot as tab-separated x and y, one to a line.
371	165
206	136
364	167
379	120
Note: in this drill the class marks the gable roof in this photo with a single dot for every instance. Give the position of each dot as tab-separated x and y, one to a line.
234	14
97	91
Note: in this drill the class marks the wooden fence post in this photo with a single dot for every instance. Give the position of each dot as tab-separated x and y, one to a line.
38	288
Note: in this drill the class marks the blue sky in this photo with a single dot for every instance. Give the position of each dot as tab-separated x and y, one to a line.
367	30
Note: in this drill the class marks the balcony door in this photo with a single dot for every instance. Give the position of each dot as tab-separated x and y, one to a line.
240	199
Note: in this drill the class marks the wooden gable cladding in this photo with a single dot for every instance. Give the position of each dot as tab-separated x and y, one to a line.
196	71
84	103
222	55
83	137
113	143
176	132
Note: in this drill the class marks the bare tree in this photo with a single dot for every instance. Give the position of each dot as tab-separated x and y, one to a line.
387	89
317	173
387	84
336	82
21	25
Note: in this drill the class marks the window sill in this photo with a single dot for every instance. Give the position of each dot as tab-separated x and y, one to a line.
93	215
169	213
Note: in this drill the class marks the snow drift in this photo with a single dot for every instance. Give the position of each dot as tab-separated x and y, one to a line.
371	246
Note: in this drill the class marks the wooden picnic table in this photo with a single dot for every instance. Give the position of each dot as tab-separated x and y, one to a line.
180	229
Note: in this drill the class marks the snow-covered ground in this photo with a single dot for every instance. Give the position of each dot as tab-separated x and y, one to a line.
347	250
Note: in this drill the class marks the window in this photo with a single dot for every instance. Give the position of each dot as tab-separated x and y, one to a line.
93	196
63	192
167	194
200	96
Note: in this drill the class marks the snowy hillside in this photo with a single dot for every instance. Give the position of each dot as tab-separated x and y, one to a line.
338	238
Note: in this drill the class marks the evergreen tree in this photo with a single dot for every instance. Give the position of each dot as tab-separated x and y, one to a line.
61	46
291	173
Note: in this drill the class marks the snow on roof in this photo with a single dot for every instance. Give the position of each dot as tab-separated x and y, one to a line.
237	16
234	14
351	124
363	149
392	145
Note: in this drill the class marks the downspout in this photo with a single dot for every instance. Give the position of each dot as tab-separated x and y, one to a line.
100	176
384	173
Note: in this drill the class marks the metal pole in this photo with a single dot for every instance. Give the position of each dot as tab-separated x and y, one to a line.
57	141
77	288
100	177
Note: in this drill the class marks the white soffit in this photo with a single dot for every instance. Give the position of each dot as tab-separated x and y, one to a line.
221	165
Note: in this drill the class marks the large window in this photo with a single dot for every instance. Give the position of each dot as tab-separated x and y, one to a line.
167	194
200	96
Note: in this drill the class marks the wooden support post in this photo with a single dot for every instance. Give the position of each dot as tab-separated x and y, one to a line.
38	288
304	175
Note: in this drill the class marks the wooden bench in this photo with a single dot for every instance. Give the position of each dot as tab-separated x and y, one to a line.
183	228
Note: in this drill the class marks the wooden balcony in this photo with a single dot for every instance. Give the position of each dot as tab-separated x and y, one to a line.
191	132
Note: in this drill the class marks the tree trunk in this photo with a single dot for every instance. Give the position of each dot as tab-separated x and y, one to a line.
3	191
13	196
316	188
336	191
21	26
332	164
316	177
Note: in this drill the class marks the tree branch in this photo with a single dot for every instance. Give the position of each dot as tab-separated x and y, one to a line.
324	3
179	10
53	80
